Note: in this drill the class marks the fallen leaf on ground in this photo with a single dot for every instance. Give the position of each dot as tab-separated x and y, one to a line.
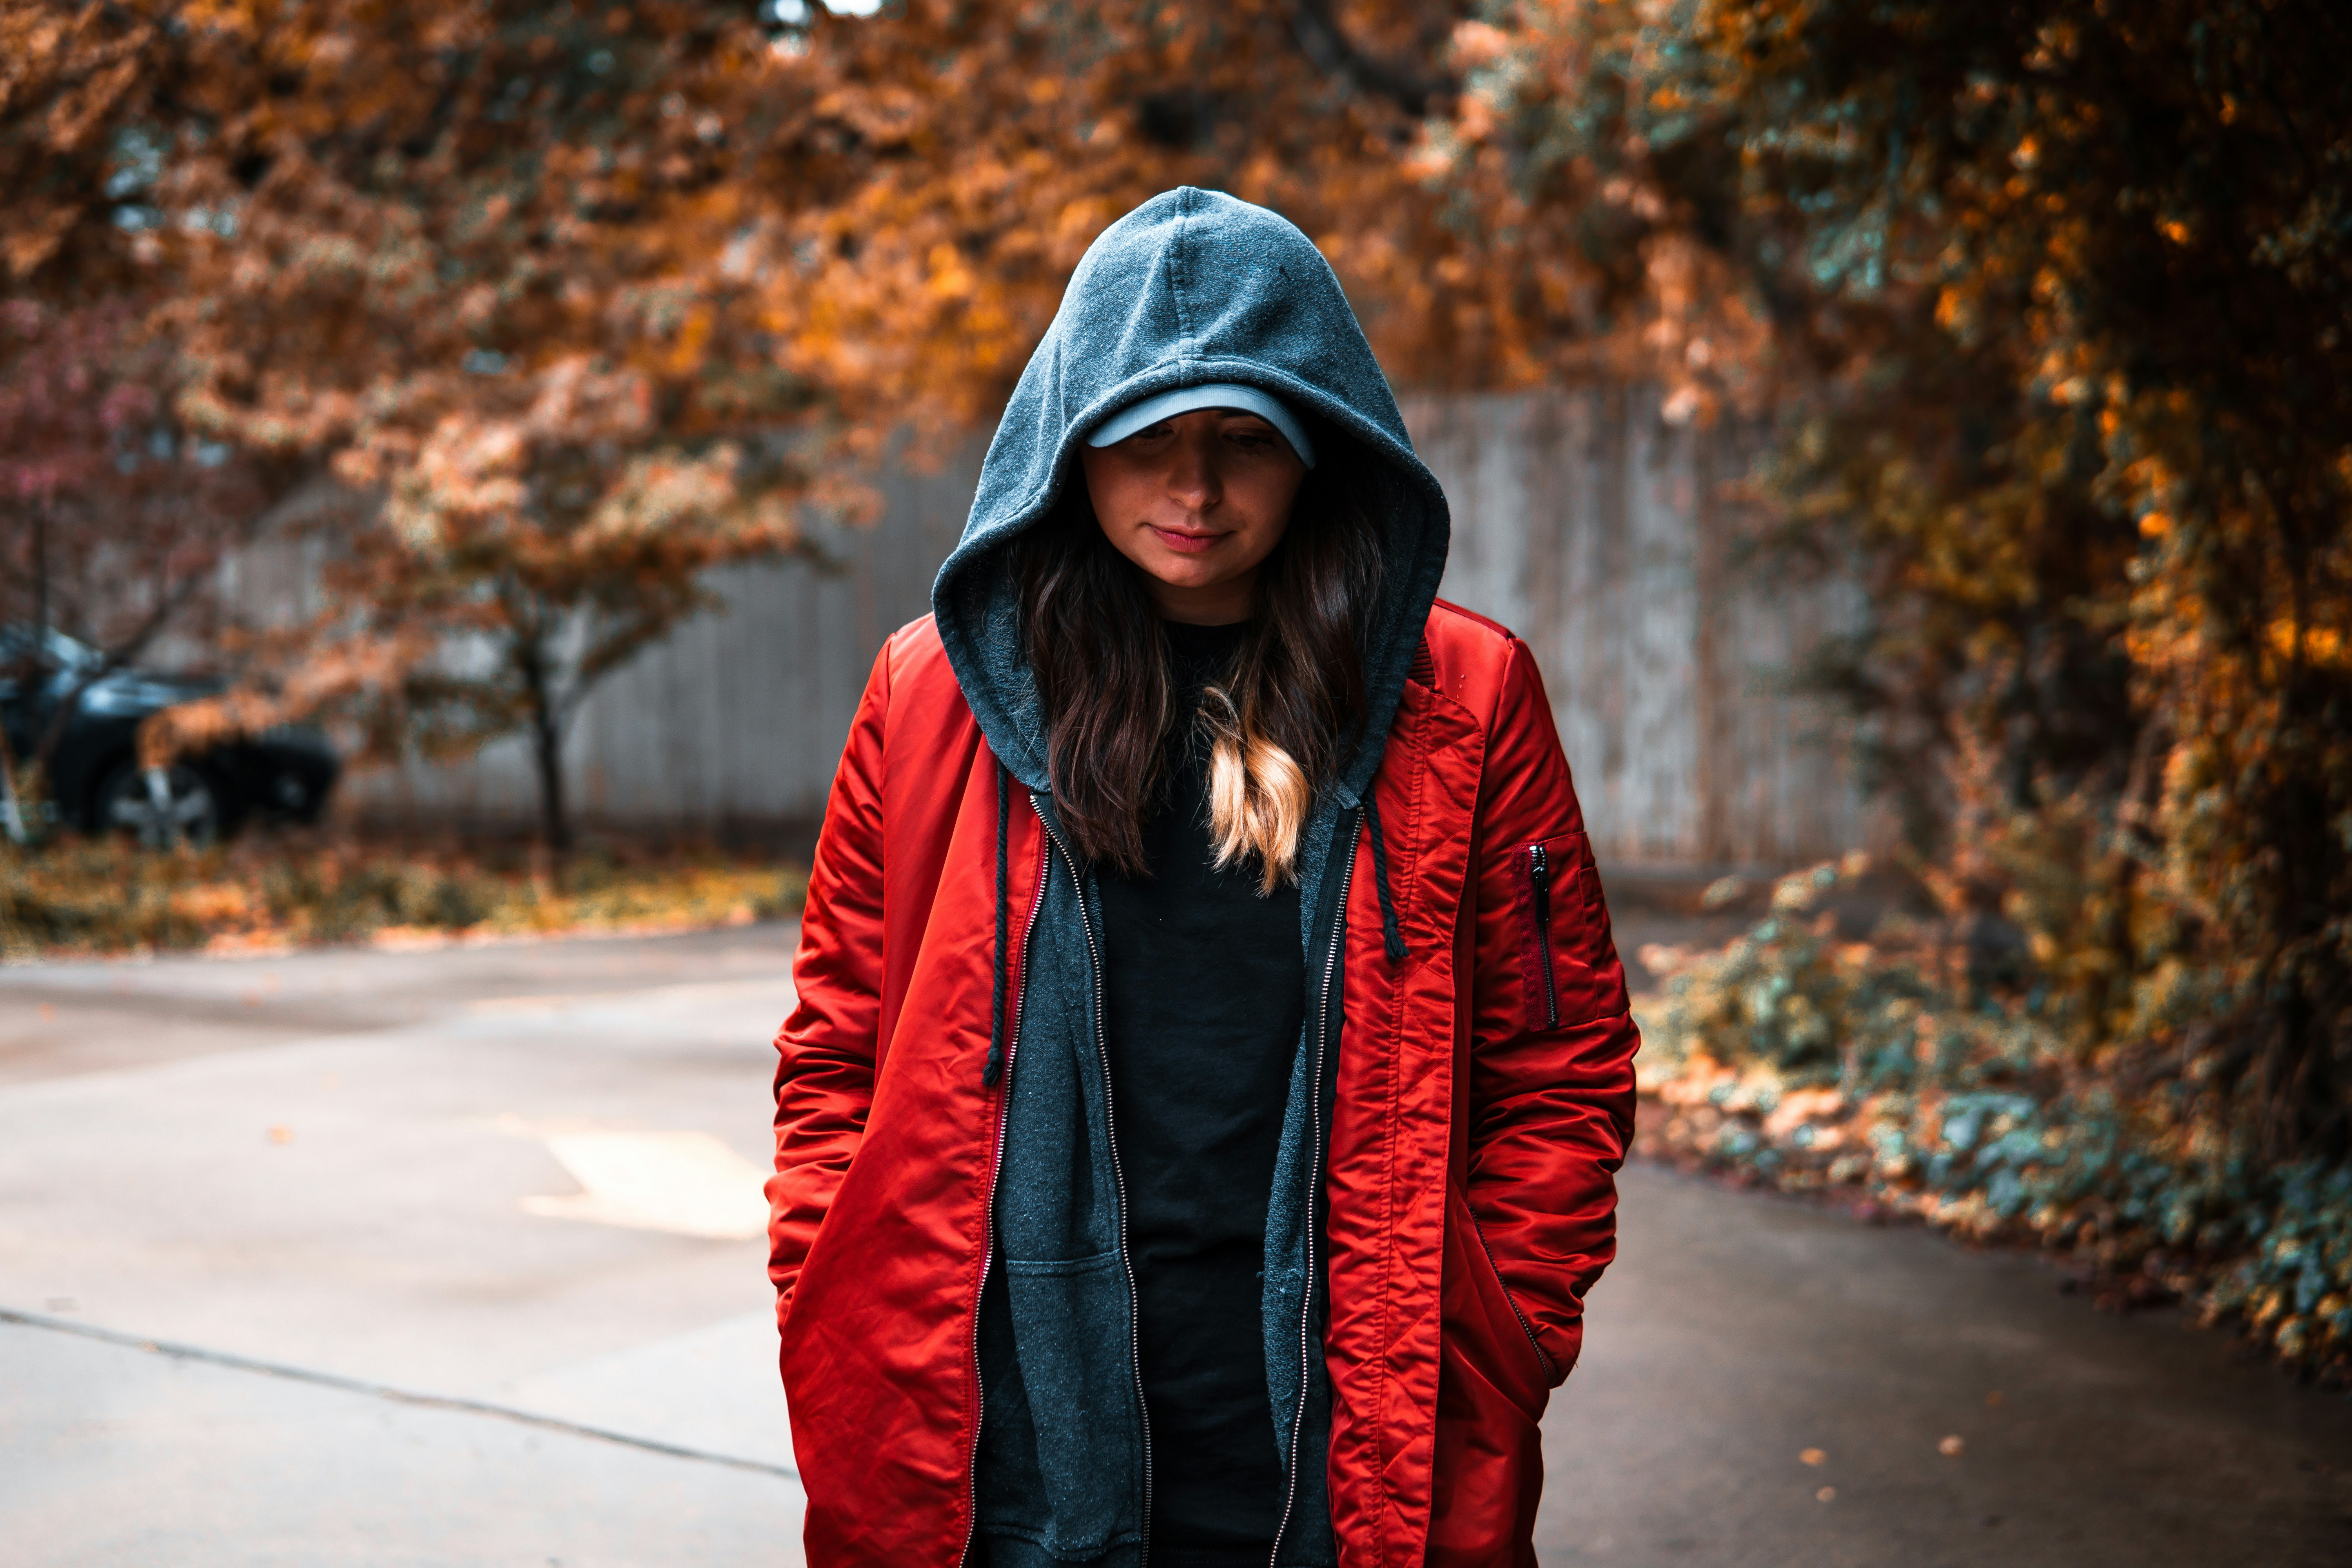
1951	1448
1826	1494
1813	1456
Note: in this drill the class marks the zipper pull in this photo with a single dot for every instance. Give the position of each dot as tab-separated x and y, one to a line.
1539	885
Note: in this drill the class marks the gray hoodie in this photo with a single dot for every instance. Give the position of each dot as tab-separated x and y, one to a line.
1191	286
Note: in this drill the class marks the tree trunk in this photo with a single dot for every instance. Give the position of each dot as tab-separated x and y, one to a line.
547	746
547	751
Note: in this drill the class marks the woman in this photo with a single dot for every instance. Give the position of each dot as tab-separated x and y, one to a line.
1195	1136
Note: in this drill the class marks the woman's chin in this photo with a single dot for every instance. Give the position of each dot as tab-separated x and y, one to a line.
1190	571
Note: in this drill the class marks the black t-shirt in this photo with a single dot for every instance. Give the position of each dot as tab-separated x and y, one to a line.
1204	993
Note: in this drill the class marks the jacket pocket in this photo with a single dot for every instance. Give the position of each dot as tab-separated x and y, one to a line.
1486	1470
1569	969
1486	1325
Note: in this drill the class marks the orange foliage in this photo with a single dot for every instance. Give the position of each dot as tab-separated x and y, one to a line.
377	219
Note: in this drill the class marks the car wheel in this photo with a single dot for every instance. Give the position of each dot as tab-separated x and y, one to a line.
160	806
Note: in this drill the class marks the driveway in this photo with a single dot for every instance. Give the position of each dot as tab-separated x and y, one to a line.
451	1257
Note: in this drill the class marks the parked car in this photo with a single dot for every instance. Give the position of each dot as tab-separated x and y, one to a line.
97	785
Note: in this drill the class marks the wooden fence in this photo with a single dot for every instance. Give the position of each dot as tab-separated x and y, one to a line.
1599	533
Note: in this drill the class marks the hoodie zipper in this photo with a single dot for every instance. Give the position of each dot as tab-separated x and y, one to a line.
1314	1176
1539	883
988	1205
1119	1178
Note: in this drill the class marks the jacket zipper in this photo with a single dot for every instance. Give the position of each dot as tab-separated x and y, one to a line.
1334	943
988	1205
1118	1181
1525	1327
1539	881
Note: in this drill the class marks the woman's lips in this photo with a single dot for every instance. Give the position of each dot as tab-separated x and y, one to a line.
1186	544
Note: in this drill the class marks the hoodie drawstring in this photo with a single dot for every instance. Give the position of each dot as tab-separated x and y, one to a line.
994	1068
1391	939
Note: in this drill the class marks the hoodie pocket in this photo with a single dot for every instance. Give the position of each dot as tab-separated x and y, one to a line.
1067	1466
1568	970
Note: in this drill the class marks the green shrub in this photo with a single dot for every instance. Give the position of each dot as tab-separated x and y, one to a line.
1875	1069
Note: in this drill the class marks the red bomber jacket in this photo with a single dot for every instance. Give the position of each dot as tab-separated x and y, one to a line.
1484	1100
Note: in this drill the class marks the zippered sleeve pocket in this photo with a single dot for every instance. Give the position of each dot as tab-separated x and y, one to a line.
1567	966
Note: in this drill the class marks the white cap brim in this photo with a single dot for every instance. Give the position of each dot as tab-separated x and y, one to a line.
1215	394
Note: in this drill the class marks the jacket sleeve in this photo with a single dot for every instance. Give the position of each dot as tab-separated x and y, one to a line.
826	1051
1552	1038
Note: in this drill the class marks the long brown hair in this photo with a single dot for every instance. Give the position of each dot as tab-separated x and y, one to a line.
1276	719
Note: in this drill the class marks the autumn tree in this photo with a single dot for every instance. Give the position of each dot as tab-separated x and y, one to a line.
482	264
541	571
2055	297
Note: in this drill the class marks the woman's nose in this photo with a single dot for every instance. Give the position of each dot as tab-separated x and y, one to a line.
1193	479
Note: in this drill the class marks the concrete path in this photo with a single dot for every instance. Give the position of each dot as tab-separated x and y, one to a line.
522	1176
1767	1383
451	1258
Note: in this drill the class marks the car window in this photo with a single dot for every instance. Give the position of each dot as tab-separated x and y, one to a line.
64	652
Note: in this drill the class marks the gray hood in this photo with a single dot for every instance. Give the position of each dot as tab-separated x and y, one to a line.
1191	286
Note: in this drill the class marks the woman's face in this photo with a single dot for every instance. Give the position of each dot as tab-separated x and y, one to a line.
1197	502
